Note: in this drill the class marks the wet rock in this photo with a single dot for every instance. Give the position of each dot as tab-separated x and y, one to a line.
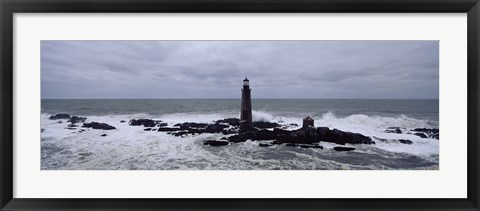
122	121
263	125
165	129
303	135
393	130
322	131
343	149
342	137
229	121
215	128
237	138
99	126
261	135
307	146
421	135
76	119
71	128
215	143
42	130
405	141
428	132
187	125
59	116
144	122
162	124
147	129
104	134
265	145
72	125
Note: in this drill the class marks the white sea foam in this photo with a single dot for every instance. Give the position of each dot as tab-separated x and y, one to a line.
129	147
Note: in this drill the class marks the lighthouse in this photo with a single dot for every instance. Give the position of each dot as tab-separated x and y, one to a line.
246	109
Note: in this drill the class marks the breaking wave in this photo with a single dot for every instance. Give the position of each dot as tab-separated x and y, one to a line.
129	147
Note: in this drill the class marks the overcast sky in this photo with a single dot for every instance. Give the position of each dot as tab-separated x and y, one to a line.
215	69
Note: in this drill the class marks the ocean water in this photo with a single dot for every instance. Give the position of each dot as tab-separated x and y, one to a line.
131	148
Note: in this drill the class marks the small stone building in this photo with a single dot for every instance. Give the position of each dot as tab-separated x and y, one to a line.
308	121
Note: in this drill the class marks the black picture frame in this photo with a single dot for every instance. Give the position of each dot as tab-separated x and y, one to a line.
10	7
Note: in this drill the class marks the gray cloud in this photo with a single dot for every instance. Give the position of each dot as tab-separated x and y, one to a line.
215	69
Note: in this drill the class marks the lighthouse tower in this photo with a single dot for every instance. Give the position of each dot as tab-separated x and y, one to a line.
246	110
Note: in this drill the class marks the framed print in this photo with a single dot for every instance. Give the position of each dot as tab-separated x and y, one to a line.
239	105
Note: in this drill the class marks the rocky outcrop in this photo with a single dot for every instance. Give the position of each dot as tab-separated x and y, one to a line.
420	132
168	129
264	125
76	119
144	122
229	121
59	116
421	135
427	132
405	141
215	143
99	126
72	119
343	149
306	135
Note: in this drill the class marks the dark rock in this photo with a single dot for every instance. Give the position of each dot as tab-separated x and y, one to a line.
263	125
215	143
71	128
97	125
59	122
265	145
42	130
308	146
421	135
76	119
322	131
405	141
237	138
104	134
291	145
341	137
165	129
187	125
230	121
393	130
122	121
276	142
303	135
162	124
293	125
72	125
261	135
343	149
215	128
144	122
59	116
428	132
147	129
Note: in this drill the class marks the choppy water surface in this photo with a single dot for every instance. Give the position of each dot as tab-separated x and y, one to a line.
130	148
